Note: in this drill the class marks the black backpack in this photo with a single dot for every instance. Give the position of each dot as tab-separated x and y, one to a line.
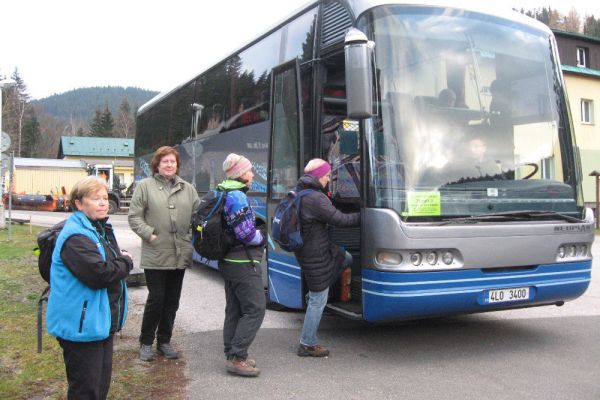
46	241
285	225
209	232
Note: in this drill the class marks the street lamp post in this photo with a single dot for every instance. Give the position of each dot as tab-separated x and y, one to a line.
6	83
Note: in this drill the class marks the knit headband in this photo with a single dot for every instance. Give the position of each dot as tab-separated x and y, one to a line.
320	171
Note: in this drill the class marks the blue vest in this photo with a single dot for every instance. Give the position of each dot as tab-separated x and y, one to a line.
77	312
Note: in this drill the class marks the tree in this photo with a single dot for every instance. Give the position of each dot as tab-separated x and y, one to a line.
31	133
15	99
125	123
591	26
103	123
51	129
108	123
548	16
96	126
572	22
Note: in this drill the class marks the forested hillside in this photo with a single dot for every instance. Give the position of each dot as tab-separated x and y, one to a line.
81	104
35	126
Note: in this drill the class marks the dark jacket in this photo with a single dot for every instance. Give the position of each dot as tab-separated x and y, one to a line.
319	258
88	300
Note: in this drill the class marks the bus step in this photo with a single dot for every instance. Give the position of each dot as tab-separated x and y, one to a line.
352	310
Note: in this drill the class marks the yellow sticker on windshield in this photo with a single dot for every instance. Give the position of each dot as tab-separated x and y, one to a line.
424	204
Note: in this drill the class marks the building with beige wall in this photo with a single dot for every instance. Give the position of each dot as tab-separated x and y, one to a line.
580	58
117	152
46	176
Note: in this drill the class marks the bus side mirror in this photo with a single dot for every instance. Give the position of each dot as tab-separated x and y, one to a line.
358	52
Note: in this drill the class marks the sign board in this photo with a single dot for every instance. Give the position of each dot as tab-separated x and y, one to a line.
5	142
5	158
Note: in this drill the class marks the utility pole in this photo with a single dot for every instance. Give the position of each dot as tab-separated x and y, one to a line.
4	145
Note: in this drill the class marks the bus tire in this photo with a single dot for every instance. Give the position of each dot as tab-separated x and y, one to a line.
112	207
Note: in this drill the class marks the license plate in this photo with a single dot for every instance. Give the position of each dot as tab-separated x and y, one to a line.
506	295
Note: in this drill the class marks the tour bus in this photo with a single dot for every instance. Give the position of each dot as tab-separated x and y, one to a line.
447	127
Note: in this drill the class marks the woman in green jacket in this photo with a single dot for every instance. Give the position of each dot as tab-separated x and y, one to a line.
160	213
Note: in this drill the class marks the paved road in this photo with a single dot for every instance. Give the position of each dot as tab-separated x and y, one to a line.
538	353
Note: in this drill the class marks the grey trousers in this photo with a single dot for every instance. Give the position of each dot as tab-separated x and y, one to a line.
245	308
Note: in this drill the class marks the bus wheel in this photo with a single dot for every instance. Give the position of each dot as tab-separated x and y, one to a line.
112	206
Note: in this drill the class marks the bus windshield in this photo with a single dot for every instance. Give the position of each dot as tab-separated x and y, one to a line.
469	119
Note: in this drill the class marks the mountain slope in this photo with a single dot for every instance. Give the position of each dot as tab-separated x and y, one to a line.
82	103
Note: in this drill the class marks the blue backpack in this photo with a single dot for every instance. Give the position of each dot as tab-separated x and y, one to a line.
285	226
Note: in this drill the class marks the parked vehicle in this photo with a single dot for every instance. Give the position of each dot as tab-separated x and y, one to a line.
447	127
119	195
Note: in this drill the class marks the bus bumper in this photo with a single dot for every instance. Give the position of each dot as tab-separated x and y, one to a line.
389	296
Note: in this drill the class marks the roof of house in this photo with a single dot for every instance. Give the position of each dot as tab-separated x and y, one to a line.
575	35
95	146
582	71
48	163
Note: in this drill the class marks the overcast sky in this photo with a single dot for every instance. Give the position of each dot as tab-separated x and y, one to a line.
60	45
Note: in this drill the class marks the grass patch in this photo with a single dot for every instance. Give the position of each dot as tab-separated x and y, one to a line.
25	374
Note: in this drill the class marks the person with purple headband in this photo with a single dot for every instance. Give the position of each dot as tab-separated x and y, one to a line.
321	261
240	268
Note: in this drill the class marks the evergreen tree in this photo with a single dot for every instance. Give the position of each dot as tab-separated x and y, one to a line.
14	102
108	123
80	132
96	125
591	26
31	134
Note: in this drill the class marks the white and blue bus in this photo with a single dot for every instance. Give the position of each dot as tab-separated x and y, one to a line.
447	126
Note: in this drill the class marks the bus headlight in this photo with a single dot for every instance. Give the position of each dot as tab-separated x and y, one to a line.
432	258
573	252
416	258
389	258
447	257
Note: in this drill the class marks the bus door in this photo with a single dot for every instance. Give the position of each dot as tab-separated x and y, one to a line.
340	146
284	279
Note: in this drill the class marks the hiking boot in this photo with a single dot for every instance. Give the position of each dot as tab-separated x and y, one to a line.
238	366
249	361
146	353
167	350
312	351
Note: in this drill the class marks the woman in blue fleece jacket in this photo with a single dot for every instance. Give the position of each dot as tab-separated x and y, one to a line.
244	292
88	297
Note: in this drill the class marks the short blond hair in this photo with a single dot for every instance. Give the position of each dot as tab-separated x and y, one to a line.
87	186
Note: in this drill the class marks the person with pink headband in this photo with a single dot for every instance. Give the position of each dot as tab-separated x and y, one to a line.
321	261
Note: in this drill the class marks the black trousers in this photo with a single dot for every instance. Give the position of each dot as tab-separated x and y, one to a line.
89	368
245	306
164	291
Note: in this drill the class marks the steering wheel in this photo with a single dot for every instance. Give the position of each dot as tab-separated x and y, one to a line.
535	169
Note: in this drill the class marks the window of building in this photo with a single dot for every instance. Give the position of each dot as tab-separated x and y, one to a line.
587	111
582	57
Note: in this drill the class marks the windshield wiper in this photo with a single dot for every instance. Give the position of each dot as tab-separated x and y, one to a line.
512	216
